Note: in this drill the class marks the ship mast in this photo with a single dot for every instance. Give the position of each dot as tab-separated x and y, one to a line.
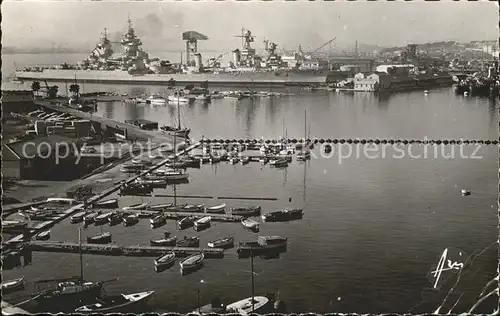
81	253
178	111
253	287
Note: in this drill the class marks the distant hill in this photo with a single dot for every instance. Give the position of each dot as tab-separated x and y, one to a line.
42	50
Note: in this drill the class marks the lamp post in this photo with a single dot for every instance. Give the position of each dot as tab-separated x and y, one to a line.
198	292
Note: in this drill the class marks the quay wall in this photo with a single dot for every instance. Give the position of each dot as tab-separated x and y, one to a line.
121	77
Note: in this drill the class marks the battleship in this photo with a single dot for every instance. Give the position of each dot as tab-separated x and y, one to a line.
134	65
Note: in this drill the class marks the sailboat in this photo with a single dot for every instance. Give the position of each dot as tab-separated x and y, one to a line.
304	154
176	131
70	292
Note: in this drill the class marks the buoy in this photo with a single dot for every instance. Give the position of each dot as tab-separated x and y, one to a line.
363	141
274	141
356	141
316	141
405	142
487	142
438	142
342	141
335	141
349	141
377	141
494	142
466	142
299	140
328	141
267	141
321	141
328	148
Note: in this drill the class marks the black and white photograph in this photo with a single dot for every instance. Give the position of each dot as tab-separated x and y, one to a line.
254	157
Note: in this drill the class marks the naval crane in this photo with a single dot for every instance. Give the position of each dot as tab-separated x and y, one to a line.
192	38
323	45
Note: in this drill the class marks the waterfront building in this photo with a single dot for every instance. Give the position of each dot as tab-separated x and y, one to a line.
397	70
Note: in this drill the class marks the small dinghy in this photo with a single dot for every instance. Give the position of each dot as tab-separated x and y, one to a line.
160	206
43	235
112	203
246	211
139	206
143	162
283	215
234	160
77	218
168	241
165	261
186	222
102	219
250	224
114	219
245	307
225	242
104	238
131	220
466	192
271	240
189	242
192	262
199	208
89	219
12	285
124	303
219	209
202	223
158	221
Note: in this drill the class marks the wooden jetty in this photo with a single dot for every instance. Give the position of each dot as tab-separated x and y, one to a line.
178	215
117	250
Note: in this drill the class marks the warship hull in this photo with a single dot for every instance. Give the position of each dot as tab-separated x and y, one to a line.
284	78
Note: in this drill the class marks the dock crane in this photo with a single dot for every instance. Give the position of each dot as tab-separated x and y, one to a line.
323	45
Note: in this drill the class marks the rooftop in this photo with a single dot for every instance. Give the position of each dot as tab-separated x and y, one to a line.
39	145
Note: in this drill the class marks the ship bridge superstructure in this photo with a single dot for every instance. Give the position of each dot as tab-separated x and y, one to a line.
132	44
103	50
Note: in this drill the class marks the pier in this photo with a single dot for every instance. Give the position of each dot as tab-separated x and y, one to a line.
117	250
215	217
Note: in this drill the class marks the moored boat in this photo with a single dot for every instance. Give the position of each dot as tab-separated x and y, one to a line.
89	218
189	242
45	235
202	223
279	163
245	160
175	131
283	215
186	222
114	219
250	224
135	189
246	211
157	221
111	203
192	262
165	261
13	225
466	192
12	285
219	209
255	248
130	220
77	218
102	218
271	240
139	206
224	242
104	238
234	160
143	162
198	208
248	306
125	303
168	241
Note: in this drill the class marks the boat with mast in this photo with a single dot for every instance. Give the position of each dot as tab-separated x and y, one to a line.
304	154
70	292
176	131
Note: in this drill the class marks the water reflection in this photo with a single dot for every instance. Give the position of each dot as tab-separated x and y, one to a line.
108	109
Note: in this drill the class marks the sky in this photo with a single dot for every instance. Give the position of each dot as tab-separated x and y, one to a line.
160	24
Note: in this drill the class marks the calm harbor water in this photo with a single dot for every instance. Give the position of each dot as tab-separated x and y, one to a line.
372	230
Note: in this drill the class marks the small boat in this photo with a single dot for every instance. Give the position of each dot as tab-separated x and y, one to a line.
124	303
140	206
164	242
214	159
225	242
235	96
245	307
175	131
160	206
263	160
45	235
131	220
219	209
198	208
156	100
165	261
271	240
114	219
177	99
112	203
245	160
202	223
283	215
189	242
104	238
175	175
156	183
303	156
89	219
186	222
250	224
177	165
158	221
137	189
143	162
255	248
66	201
279	163
234	160
77	218
13	225
102	219
192	262
12	285
466	192
246	211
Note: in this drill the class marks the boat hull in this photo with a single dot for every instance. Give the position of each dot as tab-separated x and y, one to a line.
67	302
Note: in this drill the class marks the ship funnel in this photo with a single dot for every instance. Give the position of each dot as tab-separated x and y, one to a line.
236	56
197	60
